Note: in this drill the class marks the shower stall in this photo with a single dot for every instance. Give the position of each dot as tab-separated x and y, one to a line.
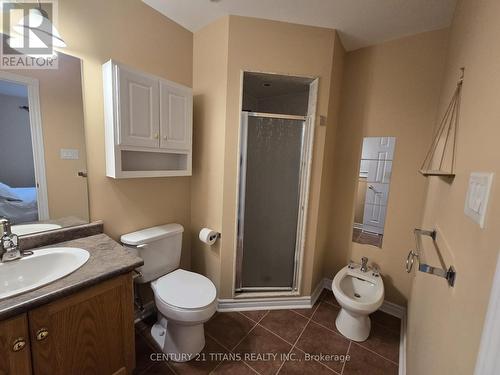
276	132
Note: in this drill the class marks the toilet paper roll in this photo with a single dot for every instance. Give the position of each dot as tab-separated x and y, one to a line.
208	236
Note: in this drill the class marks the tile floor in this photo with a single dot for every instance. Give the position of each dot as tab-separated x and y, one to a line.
282	342
367	238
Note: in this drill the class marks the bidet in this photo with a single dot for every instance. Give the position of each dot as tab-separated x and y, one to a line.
359	293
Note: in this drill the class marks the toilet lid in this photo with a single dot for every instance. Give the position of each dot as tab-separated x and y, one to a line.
186	290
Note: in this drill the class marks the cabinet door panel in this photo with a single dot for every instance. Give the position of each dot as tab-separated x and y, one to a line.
18	361
91	332
176	112
139	109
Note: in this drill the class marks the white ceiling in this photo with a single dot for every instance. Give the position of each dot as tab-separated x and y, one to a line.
360	22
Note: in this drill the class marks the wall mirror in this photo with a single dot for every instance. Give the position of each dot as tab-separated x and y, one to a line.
43	183
373	190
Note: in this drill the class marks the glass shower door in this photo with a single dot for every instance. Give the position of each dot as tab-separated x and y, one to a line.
269	200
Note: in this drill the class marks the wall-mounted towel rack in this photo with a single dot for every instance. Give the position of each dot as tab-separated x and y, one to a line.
449	274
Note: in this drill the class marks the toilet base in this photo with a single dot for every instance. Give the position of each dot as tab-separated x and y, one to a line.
181	343
353	326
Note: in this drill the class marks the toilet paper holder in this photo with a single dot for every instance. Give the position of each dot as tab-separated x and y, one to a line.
209	236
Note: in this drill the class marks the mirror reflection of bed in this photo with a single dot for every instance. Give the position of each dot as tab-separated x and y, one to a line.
42	148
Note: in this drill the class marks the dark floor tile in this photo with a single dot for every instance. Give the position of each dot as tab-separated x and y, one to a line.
386	320
228	328
326	315
285	323
159	368
308	312
143	352
232	368
261	342
364	362
299	365
208	359
328	297
384	342
255	315
317	340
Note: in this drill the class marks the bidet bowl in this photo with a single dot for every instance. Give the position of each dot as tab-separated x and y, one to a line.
359	294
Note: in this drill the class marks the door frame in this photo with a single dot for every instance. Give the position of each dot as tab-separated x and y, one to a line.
35	117
488	360
305	179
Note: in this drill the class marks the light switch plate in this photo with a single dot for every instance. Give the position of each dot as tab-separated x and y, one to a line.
69	154
476	201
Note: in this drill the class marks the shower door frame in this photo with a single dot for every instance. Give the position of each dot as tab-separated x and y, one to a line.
304	184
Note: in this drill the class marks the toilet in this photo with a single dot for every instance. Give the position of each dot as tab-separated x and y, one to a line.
359	293
184	300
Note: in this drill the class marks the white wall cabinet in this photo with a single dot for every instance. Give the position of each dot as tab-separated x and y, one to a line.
139	109
148	124
176	105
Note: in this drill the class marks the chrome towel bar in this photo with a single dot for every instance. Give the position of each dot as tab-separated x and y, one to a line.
449	274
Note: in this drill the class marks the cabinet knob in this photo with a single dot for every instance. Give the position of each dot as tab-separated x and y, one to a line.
155	136
19	344
42	334
165	137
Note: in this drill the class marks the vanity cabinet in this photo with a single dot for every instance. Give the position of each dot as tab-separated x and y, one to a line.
15	350
89	332
148	124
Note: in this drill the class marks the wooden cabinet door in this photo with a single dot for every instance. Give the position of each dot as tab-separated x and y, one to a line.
138	106
176	116
90	332
15	356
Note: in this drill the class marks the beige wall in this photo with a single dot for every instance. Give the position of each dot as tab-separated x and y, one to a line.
133	33
391	89
323	229
210	91
445	323
61	107
269	46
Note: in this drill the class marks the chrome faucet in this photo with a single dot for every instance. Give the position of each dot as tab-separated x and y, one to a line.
364	264
9	243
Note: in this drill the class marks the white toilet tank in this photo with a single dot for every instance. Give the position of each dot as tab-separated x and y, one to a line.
159	247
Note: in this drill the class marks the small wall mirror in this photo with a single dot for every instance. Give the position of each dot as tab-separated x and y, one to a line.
43	183
373	190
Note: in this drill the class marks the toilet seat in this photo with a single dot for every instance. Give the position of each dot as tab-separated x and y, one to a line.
185	290
185	297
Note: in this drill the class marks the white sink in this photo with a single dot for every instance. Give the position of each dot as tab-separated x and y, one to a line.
41	268
23	229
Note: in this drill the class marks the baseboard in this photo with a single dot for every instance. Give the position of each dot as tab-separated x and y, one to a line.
394	310
402	346
274	303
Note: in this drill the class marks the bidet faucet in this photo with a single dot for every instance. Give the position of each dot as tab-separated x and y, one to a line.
364	264
8	243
